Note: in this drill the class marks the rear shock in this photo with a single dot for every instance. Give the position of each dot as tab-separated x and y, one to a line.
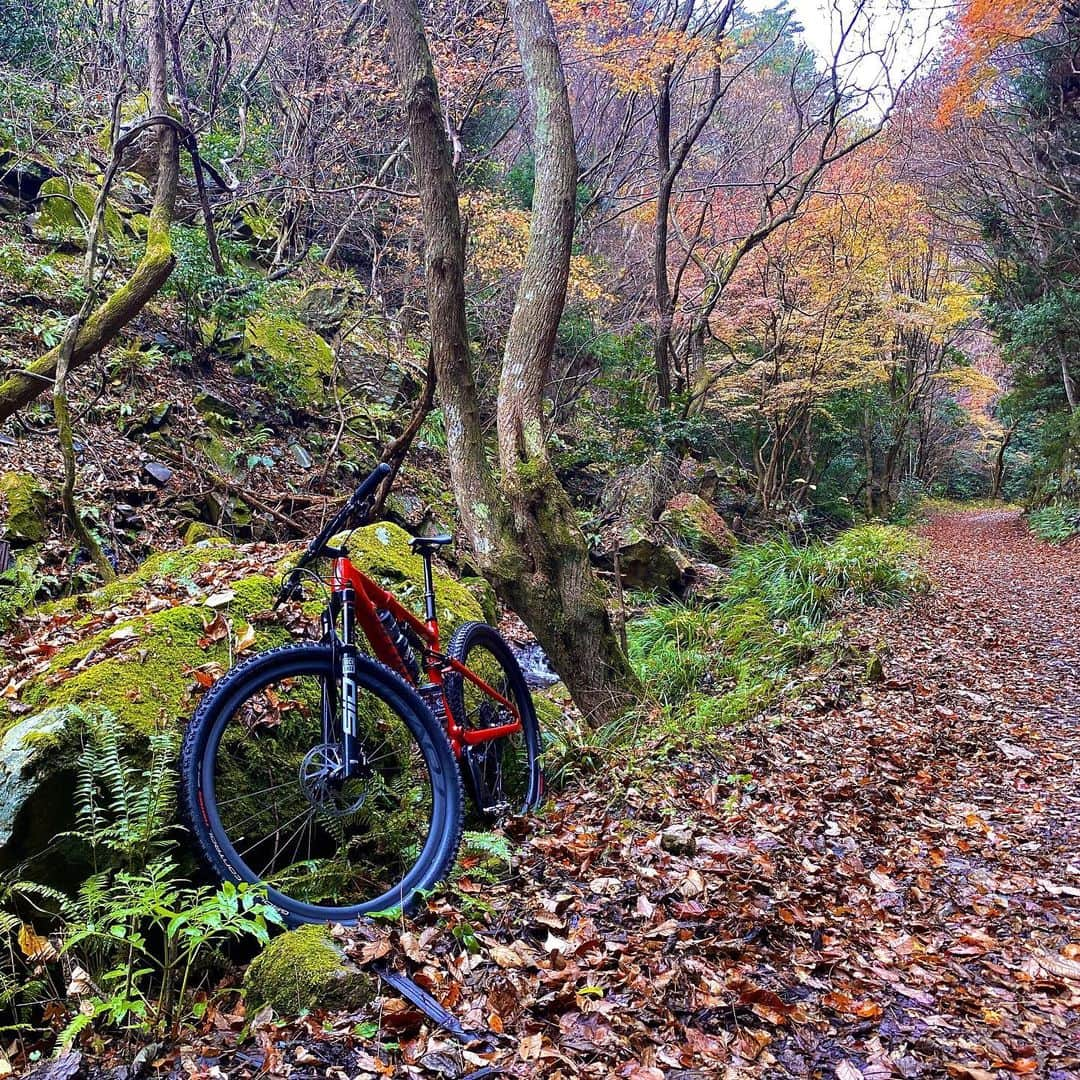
401	643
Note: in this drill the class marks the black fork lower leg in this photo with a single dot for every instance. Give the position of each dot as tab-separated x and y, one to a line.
348	650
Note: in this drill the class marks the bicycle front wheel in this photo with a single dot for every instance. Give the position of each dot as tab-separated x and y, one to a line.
270	801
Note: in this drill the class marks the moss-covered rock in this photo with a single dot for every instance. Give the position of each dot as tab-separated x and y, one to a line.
306	969
696	524
646	562
288	356
141	670
197	531
24	521
29	751
21	174
322	306
66	209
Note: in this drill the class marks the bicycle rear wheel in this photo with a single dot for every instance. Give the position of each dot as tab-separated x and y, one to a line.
269	800
503	775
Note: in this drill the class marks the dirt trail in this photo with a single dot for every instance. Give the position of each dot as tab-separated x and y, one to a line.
941	816
897	892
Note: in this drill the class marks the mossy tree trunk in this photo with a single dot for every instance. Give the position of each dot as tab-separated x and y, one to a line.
102	325
520	521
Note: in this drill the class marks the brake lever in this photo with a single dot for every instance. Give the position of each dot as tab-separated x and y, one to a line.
291	589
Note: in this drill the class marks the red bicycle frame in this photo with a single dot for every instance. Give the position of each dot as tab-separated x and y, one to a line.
368	600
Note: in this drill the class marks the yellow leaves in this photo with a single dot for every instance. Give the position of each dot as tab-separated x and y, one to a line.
499	239
836	299
245	638
34	946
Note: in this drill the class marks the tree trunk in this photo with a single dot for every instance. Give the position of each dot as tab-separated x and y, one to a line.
523	530
665	302
997	474
114	313
444	260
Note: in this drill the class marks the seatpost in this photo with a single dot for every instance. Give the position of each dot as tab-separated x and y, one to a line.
429	588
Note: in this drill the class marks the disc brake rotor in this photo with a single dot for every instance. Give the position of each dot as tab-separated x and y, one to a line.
325	783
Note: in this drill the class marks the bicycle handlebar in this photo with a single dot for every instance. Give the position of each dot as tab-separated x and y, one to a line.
334	525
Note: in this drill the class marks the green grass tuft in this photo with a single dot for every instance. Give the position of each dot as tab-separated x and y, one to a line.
722	661
1055	524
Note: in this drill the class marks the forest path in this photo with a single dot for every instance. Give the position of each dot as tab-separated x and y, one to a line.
896	892
930	833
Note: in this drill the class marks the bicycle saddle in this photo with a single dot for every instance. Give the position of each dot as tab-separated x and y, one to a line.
427	544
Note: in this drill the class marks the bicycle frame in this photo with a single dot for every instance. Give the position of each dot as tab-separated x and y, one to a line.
352	586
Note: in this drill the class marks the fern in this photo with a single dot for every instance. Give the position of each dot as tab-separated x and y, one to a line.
138	929
486	843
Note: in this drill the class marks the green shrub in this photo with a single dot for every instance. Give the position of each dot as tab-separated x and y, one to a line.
722	661
1055	523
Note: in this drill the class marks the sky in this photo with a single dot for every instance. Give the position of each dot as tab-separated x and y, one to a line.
905	31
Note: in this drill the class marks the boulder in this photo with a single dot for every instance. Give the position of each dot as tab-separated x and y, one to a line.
646	562
21	176
322	307
24	521
306	969
697	525
66	210
206	402
140	649
288	357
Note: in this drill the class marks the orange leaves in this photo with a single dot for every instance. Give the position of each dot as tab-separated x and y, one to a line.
632	47
983	30
846	1005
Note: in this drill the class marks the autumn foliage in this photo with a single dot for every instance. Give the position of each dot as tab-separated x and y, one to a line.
978	49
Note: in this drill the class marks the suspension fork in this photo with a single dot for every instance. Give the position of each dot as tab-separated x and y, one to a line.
340	715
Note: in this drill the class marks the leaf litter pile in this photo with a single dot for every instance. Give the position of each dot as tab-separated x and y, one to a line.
871	881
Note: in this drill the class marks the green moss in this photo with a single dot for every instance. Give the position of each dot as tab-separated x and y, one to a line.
25	522
699	527
485	594
60	220
263	227
382	551
288	357
306	969
549	712
180	566
147	684
198	531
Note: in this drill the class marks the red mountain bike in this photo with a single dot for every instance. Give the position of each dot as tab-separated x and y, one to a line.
334	777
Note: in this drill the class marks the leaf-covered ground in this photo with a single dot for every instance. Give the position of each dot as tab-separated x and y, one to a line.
881	879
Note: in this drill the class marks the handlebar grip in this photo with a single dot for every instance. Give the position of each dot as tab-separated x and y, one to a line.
369	484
